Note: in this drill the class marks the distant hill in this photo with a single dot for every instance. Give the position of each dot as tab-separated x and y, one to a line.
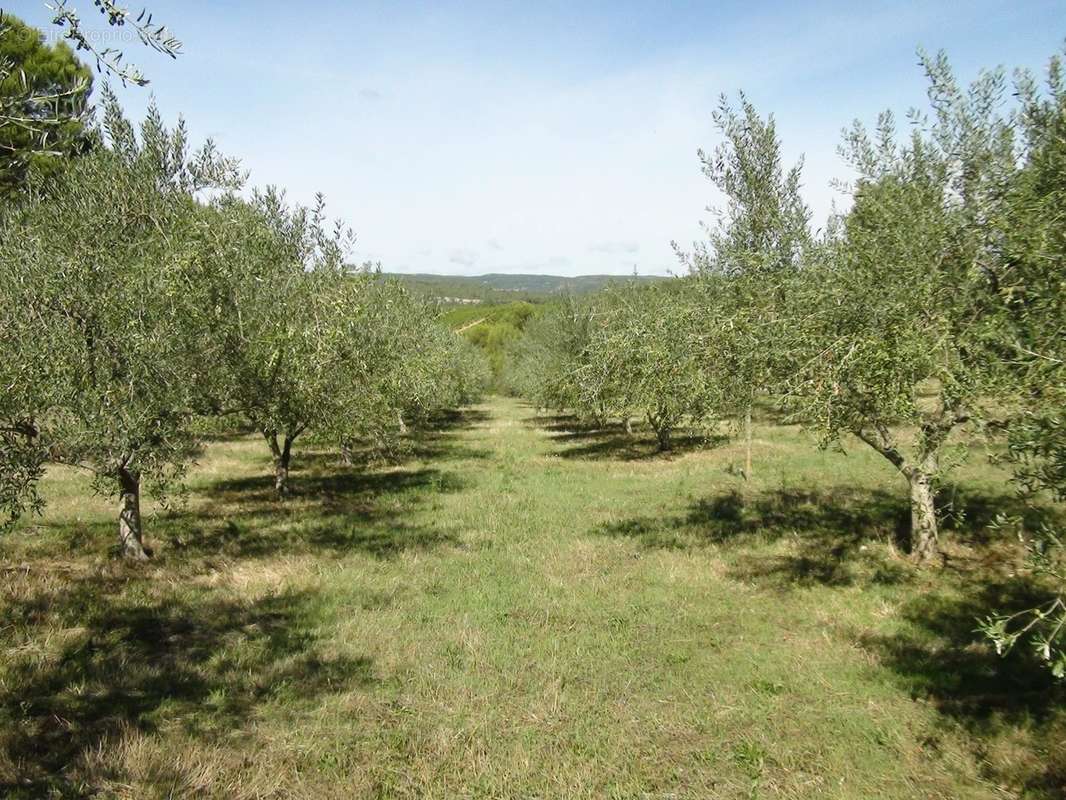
503	287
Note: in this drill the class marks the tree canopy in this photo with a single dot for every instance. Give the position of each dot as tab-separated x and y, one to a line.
44	91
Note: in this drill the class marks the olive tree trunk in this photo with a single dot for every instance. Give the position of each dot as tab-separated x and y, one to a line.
747	441
347	457
130	531
661	425
282	455
921	473
925	547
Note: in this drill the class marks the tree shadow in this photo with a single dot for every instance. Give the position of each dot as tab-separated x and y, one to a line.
1010	702
331	509
127	663
971	513
94	653
432	438
568	423
592	441
435	436
453	419
941	658
830	531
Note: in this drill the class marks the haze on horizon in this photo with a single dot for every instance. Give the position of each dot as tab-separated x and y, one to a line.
469	138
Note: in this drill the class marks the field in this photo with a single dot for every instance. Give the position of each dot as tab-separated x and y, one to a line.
504	288
521	608
491	327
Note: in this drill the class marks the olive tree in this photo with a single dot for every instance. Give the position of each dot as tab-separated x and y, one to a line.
400	363
756	245
311	346
1030	283
644	356
109	60
434	367
542	365
284	306
22	452
897	326
101	320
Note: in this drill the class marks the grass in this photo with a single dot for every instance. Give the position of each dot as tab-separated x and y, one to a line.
523	608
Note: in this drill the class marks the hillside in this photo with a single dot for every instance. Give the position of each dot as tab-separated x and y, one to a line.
491	326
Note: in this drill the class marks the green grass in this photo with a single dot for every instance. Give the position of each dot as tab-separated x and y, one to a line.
523	608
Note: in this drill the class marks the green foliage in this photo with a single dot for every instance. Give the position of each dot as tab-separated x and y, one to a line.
1042	627
109	59
43	89
1031	285
543	364
934	302
133	309
312	346
763	230
896	320
98	310
425	366
278	306
43	105
644	357
631	349
748	267
1029	282
492	328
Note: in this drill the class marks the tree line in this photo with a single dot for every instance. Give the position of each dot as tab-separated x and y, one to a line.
142	292
144	289
934	304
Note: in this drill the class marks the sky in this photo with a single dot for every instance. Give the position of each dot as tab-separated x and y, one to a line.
542	137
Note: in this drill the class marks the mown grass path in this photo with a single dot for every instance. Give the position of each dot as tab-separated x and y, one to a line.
522	608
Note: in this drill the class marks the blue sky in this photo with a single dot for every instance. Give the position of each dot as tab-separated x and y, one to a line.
544	137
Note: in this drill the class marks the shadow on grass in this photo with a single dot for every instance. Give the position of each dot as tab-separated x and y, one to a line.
830	531
941	658
454	419
969	514
587	440
93	656
937	654
131	664
332	509
433	438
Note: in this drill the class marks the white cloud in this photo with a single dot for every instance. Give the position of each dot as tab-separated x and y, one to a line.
615	248
589	155
463	257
